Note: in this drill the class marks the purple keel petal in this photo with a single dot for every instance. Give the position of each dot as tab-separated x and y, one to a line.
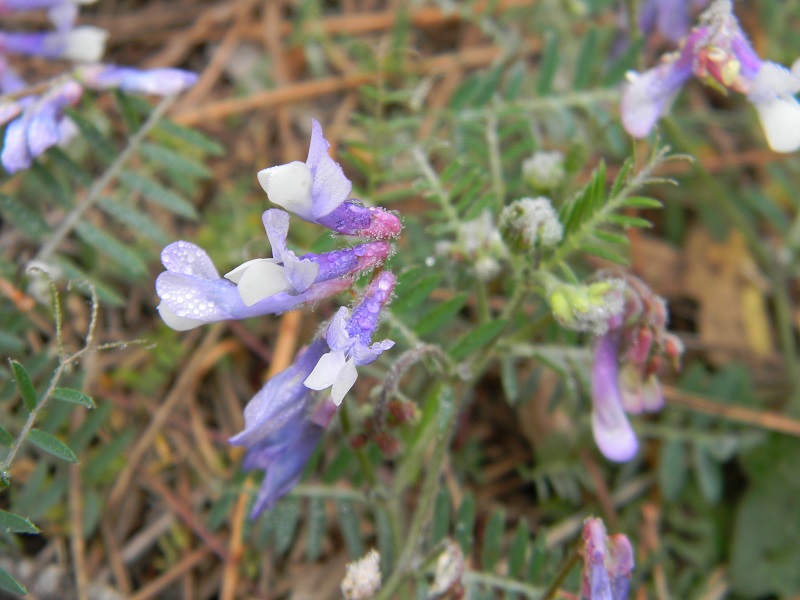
612	431
281	399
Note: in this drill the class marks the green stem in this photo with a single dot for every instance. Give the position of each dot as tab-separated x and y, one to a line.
495	165
347	428
430	489
562	575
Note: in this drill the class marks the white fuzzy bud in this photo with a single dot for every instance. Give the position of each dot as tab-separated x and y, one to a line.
532	222
544	171
363	577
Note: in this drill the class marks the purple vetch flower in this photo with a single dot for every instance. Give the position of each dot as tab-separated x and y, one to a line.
159	82
349	337
40	126
83	44
636	339
317	191
193	293
283	427
285	272
607	563
718	52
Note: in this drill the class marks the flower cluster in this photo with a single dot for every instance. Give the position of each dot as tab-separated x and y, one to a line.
607	563
36	121
637	339
719	54
286	418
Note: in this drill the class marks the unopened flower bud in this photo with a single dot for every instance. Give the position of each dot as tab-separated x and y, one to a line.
363	578
388	443
531	222
673	348
544	171
449	571
401	412
587	307
357	441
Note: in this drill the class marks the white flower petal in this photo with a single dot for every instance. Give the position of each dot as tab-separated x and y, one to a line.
236	274
175	322
337	336
347	377
289	186
259	279
780	118
85	44
326	372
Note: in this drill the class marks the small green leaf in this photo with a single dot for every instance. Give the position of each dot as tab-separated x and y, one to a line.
191	137
440	316
611	238
477	339
629	221
73	396
465	520
492	540
174	161
317	525
139	222
642	202
16	524
441	516
607	254
519	547
410	296
672	469
548	65
286	521
587	58
350	529
24	385
621	177
538	559
53	445
8	583
709	474
6	439
157	193
109	246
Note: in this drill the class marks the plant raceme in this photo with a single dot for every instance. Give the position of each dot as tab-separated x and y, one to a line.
36	121
635	338
286	419
719	54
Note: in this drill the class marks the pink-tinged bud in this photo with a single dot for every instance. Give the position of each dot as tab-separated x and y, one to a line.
388	443
607	563
359	440
673	348
641	345
385	224
401	412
